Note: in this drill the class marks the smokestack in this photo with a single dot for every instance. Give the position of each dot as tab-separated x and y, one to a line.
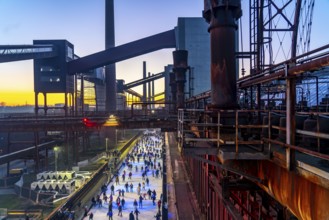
179	68
110	74
222	17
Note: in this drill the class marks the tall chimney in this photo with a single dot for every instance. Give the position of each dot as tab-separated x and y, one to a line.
222	16
110	75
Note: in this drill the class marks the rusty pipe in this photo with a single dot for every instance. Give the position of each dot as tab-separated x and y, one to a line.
295	70
179	68
221	16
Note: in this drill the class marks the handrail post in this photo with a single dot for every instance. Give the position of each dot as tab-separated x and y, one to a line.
290	118
269	131
218	129
236	131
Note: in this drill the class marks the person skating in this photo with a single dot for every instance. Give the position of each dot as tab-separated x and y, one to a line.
118	201
117	180
131	216
153	199
127	185
159	205
131	187
91	216
138	190
140	202
149	192
120	211
112	190
110	214
135	204
123	202
137	213
158	216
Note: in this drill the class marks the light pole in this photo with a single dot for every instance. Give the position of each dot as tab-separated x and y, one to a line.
106	141
56	150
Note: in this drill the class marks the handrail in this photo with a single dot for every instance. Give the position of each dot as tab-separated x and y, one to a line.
183	120
300	149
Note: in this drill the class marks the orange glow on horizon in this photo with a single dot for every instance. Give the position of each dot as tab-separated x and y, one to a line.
15	98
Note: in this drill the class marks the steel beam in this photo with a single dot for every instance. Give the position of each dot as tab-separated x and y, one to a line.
146	45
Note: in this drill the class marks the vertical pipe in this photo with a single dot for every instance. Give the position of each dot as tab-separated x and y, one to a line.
45	103
110	73
76	94
291	121
149	88
65	103
8	151
36	103
221	17
144	84
153	98
295	29
82	95
173	89
180	67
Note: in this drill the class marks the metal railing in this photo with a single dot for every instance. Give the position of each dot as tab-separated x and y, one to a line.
197	125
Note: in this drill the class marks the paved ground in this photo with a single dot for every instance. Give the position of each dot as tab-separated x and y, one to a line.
184	201
148	211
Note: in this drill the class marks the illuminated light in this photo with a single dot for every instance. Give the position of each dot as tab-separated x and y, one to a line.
89	123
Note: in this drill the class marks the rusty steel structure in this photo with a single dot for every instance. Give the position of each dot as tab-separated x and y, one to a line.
179	68
254	147
255	158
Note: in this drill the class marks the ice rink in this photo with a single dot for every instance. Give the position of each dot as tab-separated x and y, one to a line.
148	210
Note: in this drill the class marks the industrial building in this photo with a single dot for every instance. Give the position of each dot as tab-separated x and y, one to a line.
246	129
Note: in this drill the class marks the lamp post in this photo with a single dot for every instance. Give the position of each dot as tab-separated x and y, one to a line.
106	141
56	150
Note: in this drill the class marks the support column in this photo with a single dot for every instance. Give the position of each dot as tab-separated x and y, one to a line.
36	103
149	88
45	103
37	158
180	67
144	85
153	98
76	94
173	90
82	95
65	103
291	119
222	17
8	151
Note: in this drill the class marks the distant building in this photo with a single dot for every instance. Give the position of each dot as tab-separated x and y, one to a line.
192	35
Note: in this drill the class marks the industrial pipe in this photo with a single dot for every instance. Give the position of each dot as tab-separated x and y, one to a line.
222	16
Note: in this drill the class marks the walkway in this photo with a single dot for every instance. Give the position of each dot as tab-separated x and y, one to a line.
148	211
181	200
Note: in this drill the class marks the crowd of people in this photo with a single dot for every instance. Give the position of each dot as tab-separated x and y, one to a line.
134	189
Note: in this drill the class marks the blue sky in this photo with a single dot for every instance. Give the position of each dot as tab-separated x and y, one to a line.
82	23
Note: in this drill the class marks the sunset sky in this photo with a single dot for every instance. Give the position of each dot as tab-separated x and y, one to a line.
82	23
